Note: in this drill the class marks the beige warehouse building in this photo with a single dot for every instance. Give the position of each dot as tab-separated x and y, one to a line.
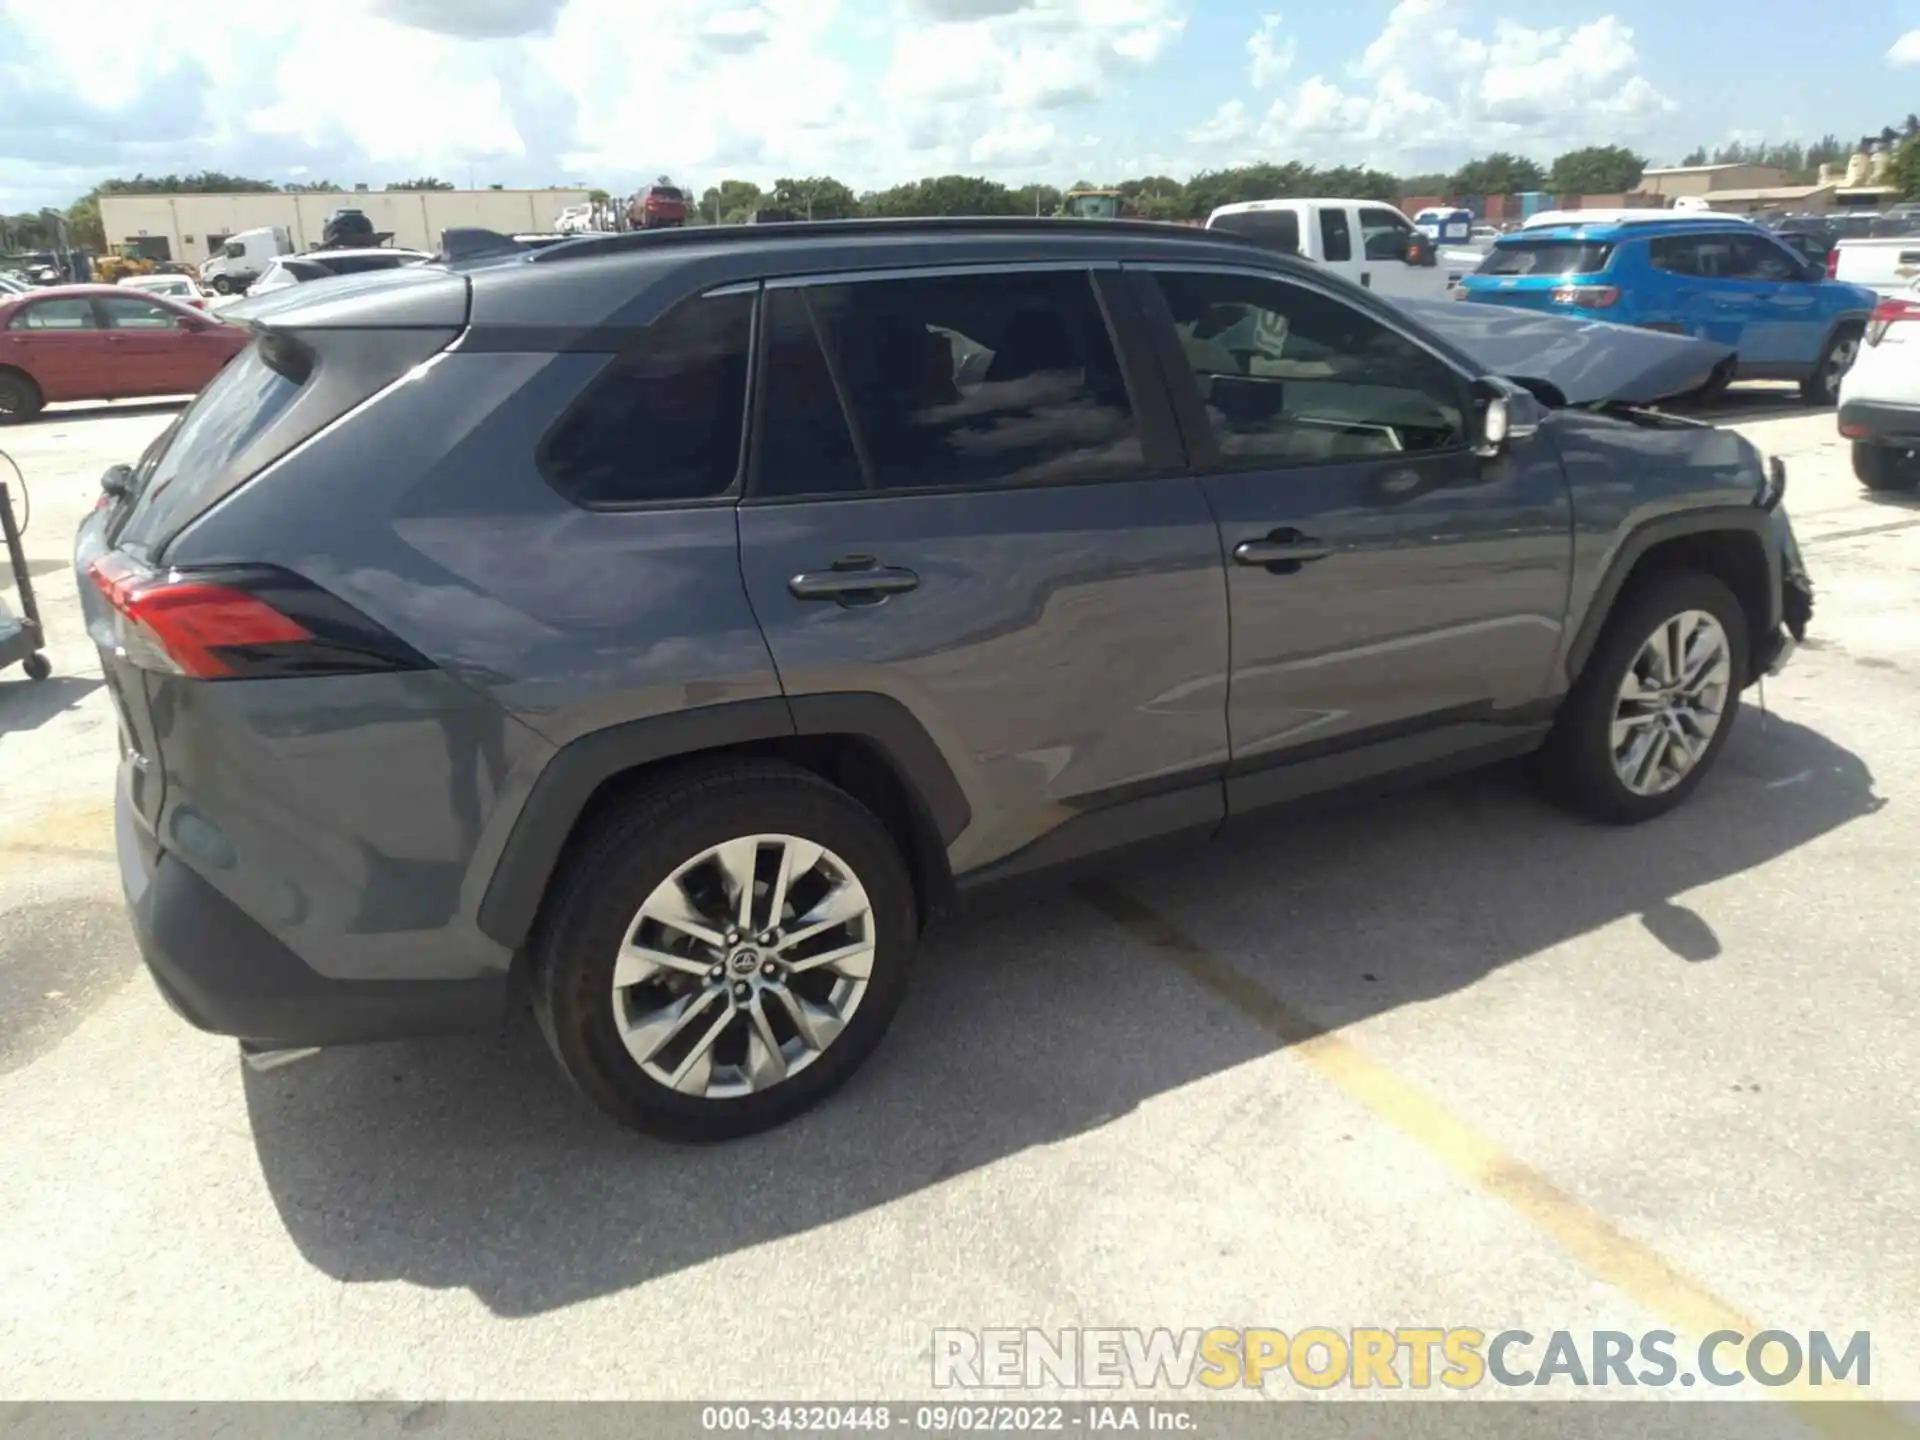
191	227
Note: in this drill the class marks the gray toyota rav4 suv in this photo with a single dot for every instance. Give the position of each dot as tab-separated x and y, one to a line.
664	626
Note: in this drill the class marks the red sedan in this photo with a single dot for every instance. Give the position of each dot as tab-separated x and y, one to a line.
104	342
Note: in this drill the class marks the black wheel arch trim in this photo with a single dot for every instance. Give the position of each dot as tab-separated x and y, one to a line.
569	780
1744	519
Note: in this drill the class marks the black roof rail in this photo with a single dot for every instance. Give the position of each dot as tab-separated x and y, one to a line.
589	245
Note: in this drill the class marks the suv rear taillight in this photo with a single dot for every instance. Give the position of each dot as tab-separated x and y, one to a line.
1889	312
241	623
1589	297
1833	262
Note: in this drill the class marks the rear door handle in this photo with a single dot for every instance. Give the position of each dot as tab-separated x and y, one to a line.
1282	552
856	579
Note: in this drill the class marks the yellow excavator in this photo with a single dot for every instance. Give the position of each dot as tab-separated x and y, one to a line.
120	262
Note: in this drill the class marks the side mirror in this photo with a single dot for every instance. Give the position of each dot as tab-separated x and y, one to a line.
1504	414
1420	251
117	482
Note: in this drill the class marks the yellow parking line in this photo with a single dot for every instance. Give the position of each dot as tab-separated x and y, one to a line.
1634	1269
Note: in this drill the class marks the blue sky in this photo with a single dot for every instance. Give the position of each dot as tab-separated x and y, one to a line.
608	92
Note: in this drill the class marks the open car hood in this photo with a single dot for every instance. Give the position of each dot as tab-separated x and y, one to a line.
1586	362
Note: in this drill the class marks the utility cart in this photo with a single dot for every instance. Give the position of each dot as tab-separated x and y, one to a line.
21	638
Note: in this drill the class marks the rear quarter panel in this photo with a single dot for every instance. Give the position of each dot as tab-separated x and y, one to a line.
425	510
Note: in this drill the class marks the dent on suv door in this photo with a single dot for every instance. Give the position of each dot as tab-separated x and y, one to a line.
962	499
1395	597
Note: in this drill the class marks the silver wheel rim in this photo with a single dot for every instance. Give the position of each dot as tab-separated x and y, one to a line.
1670	704
743	966
1840	361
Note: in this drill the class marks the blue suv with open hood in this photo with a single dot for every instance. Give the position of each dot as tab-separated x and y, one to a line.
1715	278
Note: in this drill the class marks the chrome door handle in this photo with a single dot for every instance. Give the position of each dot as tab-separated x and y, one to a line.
852	579
1282	552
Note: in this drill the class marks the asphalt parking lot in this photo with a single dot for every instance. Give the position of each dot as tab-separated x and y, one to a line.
1446	1059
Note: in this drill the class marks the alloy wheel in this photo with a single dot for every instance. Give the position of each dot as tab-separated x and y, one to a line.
744	966
1669	705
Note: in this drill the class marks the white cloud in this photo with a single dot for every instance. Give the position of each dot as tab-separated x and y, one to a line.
1427	91
1226	126
1025	142
1905	50
1270	54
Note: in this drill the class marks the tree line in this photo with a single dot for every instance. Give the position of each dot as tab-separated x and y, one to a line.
1590	170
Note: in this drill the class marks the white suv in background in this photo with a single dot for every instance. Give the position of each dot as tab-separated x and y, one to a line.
1880	396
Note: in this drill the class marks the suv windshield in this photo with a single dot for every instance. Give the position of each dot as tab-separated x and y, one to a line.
1546	257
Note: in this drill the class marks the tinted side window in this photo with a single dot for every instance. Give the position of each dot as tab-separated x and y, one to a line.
803	446
1708	256
662	421
1293	377
354	264
1755	258
54	315
1272	229
1336	238
1384	233
974	381
236	251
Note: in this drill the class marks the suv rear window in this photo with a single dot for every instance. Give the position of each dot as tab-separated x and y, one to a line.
1547	257
1273	229
240	402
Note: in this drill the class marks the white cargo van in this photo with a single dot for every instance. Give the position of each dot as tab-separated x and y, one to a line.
1368	241
244	258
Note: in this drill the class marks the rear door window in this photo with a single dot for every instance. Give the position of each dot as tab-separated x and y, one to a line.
1709	256
127	313
1273	229
952	382
1336	235
1547	257
662	422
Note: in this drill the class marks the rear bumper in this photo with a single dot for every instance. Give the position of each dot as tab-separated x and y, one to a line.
223	972
1875	420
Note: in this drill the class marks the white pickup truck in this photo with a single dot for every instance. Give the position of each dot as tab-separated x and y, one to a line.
1368	241
1887	264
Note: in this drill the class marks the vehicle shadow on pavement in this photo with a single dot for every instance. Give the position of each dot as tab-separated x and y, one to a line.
28	704
1740	406
469	1163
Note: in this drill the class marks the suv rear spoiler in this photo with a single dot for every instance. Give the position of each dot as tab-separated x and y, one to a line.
467	242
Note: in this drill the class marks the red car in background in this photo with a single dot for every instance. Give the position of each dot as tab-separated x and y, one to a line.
659	204
104	342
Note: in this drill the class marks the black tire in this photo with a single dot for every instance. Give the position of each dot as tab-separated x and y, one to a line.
1576	764
37	666
1885	467
610	871
1822	387
222	285
20	398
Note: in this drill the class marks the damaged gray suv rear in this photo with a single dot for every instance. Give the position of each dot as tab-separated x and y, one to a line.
666	626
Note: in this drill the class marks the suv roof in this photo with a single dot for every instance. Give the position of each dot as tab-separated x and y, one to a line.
627	279
1614	231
